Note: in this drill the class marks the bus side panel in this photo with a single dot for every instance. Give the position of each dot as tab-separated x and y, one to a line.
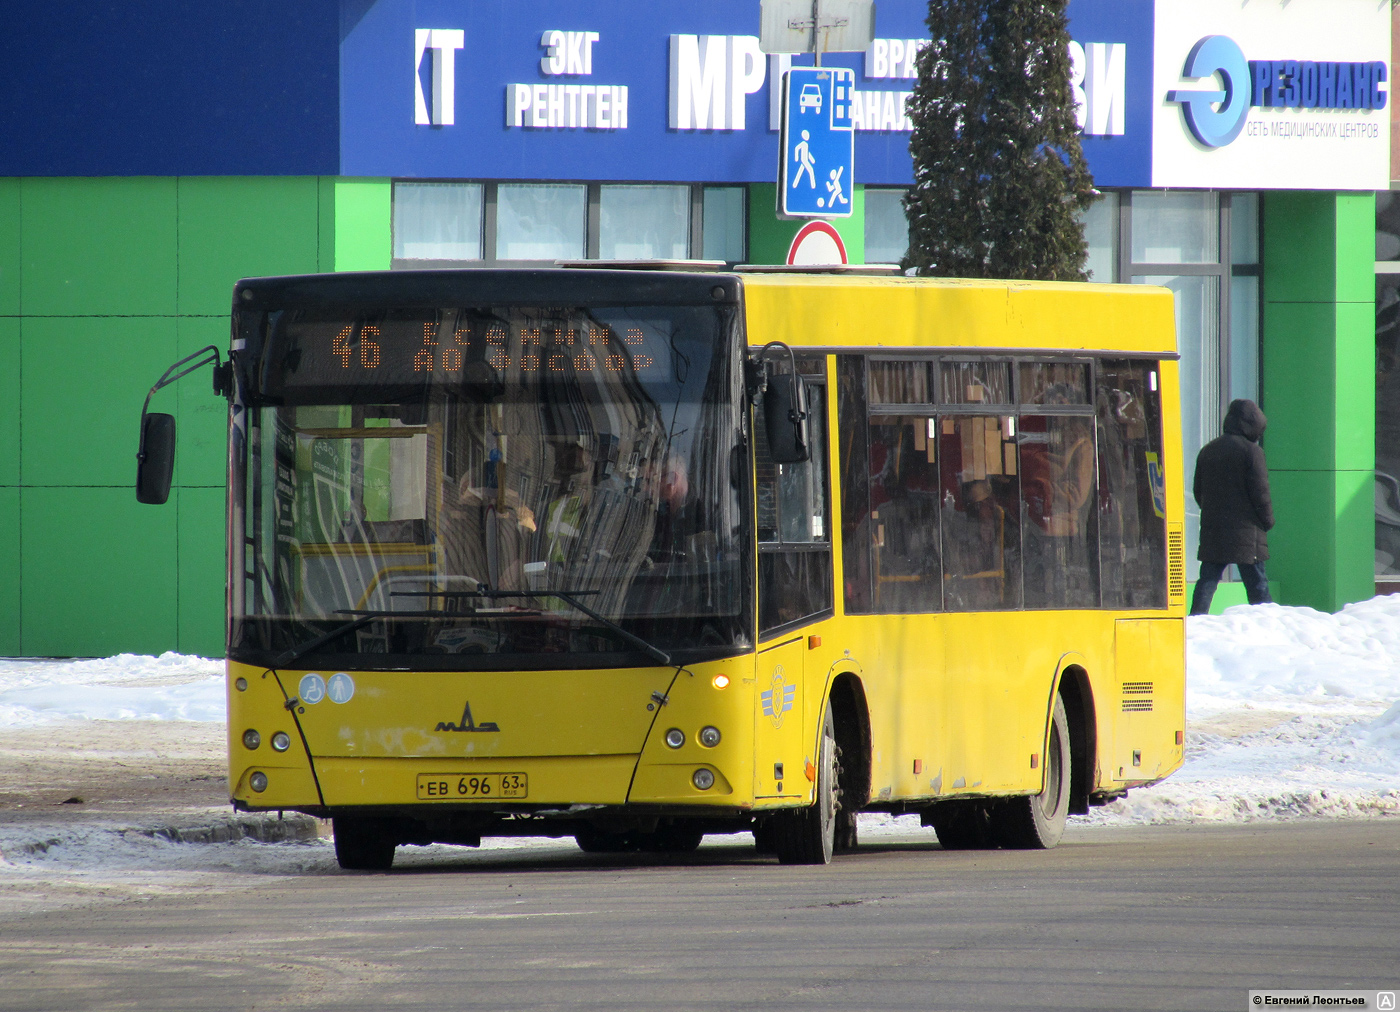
1149	708
1001	670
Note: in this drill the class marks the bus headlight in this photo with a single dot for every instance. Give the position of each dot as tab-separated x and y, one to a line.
675	737
709	737
258	782
703	779
281	741
251	739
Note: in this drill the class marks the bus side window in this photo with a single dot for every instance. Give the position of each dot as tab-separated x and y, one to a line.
794	560
905	558
980	488
855	483
1059	542
1131	497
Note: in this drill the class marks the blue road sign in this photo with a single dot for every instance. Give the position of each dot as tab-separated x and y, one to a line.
815	179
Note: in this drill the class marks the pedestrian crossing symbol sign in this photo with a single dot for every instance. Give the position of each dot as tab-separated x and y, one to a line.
817	143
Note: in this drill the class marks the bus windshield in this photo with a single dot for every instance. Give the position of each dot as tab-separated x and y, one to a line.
459	488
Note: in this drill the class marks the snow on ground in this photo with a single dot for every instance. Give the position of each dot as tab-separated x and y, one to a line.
126	687
1290	713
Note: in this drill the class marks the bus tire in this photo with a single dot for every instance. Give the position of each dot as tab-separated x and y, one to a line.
363	844
1037	822
962	825
808	835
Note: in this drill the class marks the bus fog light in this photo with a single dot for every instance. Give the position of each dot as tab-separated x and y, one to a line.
258	782
241	685
709	736
675	737
703	779
281	741
251	739
720	681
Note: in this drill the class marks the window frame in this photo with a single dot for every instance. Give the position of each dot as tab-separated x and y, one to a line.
592	220
1018	408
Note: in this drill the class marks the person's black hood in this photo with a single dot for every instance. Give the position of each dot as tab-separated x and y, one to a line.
1245	419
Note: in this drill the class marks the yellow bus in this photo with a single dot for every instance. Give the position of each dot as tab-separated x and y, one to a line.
634	556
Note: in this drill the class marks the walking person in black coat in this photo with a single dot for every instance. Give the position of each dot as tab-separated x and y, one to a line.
1232	489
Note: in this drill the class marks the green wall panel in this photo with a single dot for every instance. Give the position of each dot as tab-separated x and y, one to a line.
325	231
1356	247
1301	561
1318	352
1356	536
770	237
1356	383
9	247
9	401
201	545
1323	547
83	383
10	599
201	429
99	573
98	246
1300	233
363	224
238	227
1299	377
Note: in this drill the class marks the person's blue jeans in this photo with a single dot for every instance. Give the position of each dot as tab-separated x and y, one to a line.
1256	584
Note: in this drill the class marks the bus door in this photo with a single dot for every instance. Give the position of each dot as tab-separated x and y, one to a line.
794	590
781	749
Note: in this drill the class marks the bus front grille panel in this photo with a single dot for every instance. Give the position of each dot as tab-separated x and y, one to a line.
1137	688
1137	706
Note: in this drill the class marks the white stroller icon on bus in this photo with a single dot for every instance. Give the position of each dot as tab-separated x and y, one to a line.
810	98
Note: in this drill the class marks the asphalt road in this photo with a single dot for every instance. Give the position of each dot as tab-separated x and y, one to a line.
1153	918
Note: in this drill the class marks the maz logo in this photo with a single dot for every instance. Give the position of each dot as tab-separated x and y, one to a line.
467	723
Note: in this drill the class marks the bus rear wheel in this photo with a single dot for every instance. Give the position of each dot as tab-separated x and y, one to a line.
363	844
1037	822
808	835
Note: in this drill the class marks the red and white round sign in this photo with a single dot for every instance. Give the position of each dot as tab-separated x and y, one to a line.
817	244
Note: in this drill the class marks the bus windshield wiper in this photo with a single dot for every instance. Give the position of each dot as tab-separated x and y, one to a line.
362	618
569	597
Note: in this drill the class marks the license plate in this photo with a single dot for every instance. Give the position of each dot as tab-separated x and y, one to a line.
472	786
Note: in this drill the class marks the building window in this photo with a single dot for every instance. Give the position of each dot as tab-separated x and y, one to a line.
643	222
1204	246
1101	235
724	226
437	221
541	221
475	224
886	227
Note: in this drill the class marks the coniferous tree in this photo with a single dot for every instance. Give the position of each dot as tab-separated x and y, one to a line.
999	177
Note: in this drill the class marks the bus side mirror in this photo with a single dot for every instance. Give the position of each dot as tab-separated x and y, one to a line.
155	460
785	418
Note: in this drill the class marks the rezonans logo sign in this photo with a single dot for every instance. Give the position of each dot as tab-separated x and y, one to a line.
1271	95
1216	115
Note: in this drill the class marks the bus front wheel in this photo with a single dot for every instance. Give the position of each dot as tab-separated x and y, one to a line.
808	835
363	844
1038	822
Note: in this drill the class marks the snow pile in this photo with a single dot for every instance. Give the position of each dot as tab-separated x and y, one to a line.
126	687
1289	712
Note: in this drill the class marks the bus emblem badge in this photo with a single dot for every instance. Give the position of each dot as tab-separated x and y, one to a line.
778	699
467	724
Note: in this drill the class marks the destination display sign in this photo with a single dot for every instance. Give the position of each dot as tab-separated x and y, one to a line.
449	346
